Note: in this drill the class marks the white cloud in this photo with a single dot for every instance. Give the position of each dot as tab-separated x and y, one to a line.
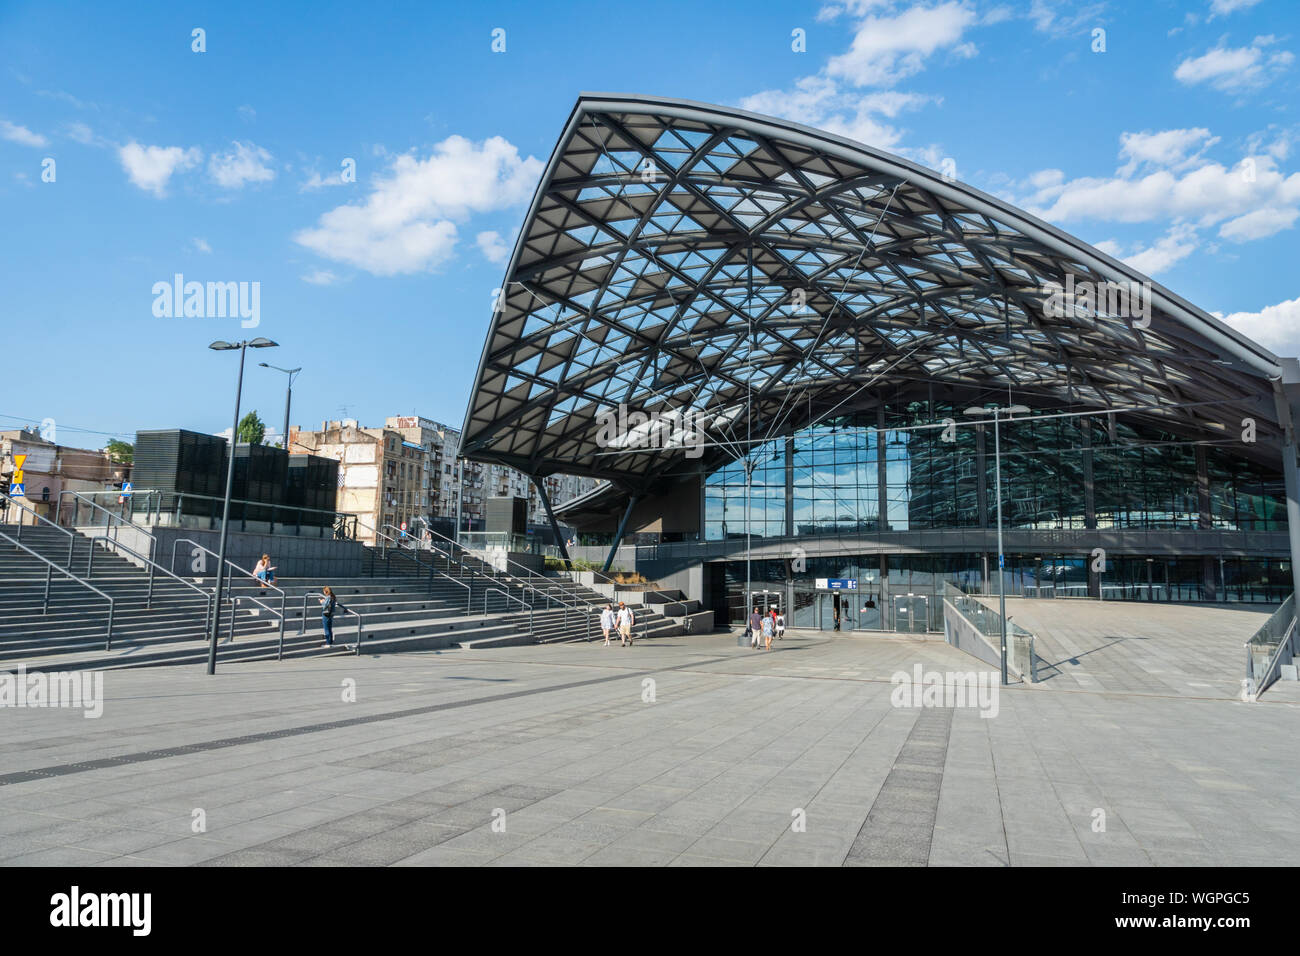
1174	246
151	167
81	133
201	245
1224	7
1061	18
320	277
1235	69
408	222
21	135
1207	193
317	181
247	113
889	48
1171	147
1276	327
245	163
493	247
1259	224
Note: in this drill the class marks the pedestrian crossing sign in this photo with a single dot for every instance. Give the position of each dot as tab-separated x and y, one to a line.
16	490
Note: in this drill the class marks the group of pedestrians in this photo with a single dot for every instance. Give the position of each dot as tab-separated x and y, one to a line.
622	620
763	627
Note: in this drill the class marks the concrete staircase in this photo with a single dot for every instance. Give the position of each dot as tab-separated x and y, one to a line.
402	608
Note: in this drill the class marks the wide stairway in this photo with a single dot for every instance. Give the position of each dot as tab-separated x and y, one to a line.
406	601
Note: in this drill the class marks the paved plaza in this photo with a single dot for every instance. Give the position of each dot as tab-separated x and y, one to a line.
680	751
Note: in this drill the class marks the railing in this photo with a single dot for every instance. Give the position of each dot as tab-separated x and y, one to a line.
72	535
509	541
245	573
207	597
342	526
303	629
50	568
989	623
509	597
1274	644
128	504
112	517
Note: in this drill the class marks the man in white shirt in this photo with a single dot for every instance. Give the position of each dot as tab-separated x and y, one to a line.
607	622
626	620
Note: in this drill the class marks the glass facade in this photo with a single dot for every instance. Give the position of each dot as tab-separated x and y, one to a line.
1141	479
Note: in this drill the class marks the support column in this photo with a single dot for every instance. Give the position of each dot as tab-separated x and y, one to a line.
618	535
789	487
981	478
1089	487
882	476
555	525
1290	382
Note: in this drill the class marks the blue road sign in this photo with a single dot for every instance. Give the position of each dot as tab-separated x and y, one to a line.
16	491
1002	562
126	489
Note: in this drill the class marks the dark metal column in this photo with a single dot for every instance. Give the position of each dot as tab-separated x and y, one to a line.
1089	488
882	478
981	478
555	525
618	535
1283	389
789	487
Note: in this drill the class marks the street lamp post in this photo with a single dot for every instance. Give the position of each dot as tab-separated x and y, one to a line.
257	343
288	395
998	413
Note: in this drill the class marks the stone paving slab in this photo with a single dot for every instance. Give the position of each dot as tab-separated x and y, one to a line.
565	755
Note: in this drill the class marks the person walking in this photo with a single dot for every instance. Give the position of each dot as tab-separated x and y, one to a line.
767	631
755	627
607	622
328	605
780	627
626	621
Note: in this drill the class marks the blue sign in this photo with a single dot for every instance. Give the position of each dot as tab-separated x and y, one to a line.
842	584
126	489
1002	562
16	491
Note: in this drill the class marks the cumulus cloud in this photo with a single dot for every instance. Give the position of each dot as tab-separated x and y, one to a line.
244	163
1235	69
1173	247
1259	224
1276	327
151	167
1224	7
493	247
1173	148
893	46
407	224
21	135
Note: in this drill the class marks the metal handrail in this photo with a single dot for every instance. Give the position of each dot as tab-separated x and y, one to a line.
1259	681
303	629
246	573
50	568
207	596
510	597
72	535
147	493
58	508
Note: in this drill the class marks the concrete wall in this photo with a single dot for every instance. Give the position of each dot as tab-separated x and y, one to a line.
292	557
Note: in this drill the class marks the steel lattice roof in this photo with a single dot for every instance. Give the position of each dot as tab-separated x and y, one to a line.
681	255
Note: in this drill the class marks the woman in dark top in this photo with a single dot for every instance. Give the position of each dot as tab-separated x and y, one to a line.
328	605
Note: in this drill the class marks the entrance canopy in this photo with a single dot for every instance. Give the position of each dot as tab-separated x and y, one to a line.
681	259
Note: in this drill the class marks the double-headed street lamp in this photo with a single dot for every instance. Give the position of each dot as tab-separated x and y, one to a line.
998	414
288	395
243	347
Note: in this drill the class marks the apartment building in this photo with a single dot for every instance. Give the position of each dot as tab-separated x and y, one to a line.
407	470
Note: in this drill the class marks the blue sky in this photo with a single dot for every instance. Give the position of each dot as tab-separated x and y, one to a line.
1175	147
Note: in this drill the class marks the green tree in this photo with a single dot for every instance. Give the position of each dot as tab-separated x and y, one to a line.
120	451
251	429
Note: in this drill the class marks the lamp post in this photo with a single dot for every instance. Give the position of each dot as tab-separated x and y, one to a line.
243	347
998	414
288	395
